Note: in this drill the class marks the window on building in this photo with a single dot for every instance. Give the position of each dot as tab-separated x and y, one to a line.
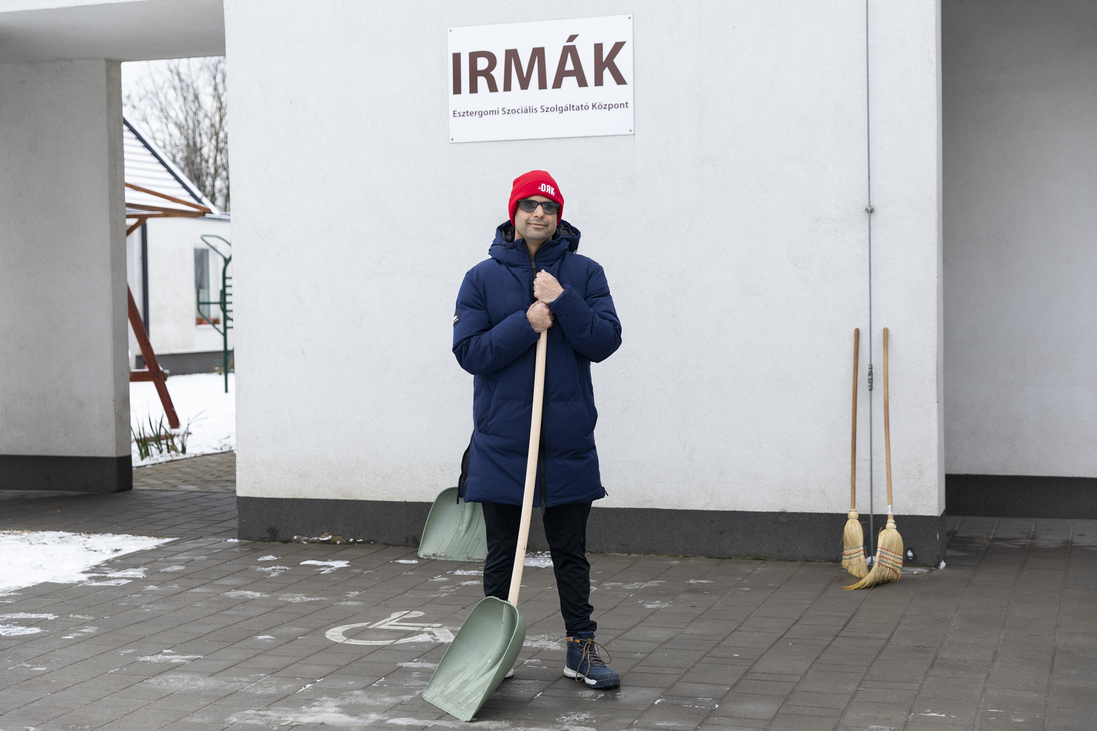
202	282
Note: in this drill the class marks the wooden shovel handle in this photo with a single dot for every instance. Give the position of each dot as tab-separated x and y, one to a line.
887	423
531	469
853	440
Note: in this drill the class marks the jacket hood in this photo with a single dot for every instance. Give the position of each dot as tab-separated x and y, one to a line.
566	238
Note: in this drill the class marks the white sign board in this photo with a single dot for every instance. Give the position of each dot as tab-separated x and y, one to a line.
551	78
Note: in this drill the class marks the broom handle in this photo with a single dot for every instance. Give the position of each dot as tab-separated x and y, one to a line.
531	469
853	440
887	427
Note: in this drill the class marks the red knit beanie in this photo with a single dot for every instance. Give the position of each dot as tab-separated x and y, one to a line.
535	182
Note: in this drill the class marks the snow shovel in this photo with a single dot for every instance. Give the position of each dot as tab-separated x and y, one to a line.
454	530
489	641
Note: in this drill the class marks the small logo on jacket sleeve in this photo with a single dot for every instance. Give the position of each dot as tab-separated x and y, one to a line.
456	318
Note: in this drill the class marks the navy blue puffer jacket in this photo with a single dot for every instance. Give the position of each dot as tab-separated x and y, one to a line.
494	341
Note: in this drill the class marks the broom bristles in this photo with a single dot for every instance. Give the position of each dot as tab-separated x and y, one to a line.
853	547
889	559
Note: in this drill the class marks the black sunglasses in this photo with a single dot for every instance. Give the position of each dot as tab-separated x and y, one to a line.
529	206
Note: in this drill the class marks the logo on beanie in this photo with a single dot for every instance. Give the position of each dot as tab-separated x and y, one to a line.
547	189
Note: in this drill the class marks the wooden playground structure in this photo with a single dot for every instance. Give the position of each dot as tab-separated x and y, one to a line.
140	213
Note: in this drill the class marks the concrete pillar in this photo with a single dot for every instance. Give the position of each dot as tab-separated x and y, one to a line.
64	383
1019	265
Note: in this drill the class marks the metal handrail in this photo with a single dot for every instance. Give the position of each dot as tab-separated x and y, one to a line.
223	301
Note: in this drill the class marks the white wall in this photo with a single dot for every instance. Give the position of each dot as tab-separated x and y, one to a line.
1020	189
731	226
171	245
64	378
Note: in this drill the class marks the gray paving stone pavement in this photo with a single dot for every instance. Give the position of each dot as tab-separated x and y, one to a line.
212	633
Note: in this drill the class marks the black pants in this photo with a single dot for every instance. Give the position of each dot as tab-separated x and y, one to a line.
566	530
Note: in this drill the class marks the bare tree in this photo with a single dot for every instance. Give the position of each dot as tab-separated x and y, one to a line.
184	109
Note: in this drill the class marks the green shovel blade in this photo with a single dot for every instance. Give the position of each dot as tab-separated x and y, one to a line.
454	530
481	655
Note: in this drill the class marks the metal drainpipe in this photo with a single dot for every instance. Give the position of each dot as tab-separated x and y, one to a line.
869	210
145	275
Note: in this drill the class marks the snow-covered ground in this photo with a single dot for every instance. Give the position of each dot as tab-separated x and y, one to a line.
204	409
31	557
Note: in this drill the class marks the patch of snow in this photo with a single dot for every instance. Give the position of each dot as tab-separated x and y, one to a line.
81	631
330	711
572	718
169	656
634	586
244	594
15	630
267	558
272	571
543	642
115	578
405	560
451	588
327	713
539	559
467	572
138	573
203	407
25	615
193	682
308	685
329	565
34	557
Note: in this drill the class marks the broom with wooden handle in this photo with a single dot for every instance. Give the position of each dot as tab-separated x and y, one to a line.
889	548
853	537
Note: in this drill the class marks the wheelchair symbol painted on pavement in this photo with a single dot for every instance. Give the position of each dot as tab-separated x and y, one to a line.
433	632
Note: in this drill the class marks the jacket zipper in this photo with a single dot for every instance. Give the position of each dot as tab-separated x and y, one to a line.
531	259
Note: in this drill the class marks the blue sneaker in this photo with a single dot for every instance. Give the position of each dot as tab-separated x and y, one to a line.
584	663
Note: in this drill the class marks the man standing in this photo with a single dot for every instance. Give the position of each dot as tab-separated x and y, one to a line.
534	281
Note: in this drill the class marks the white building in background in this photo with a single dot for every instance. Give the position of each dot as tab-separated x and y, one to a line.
170	266
730	220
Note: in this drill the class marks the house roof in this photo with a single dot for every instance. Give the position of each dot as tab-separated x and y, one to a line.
148	167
